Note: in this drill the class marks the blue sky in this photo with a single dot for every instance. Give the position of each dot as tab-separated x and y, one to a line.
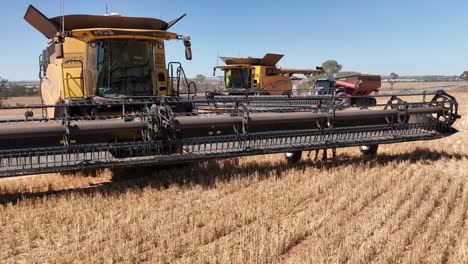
409	37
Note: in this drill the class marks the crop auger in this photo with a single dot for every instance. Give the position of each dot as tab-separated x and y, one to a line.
109	101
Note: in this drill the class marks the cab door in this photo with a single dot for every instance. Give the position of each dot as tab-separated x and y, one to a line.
72	68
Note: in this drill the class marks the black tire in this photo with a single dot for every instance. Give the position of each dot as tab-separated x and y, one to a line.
293	157
369	150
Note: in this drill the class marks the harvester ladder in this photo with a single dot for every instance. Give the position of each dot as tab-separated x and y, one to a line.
176	77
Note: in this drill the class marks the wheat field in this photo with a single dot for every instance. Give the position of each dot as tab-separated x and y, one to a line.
409	204
402	85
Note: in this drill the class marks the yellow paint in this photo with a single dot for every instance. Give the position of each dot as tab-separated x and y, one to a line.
228	78
52	87
72	141
257	77
69	78
89	35
72	68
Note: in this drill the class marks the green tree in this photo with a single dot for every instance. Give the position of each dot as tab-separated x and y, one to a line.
464	75
394	76
392	79
331	68
199	79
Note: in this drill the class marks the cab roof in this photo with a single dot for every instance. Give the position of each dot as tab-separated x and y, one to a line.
73	22
268	60
50	26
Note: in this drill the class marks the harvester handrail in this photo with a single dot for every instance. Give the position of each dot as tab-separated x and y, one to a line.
181	75
81	77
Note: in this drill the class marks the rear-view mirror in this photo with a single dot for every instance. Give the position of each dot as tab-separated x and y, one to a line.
188	53
188	49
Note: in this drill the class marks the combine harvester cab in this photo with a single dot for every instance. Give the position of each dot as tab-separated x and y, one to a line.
110	101
100	58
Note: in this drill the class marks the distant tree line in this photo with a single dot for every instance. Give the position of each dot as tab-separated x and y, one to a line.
204	85
12	89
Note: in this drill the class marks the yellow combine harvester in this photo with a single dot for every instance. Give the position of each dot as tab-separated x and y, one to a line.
110	99
96	57
260	75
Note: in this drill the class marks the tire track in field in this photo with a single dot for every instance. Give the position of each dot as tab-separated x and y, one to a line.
338	243
398	240
438	250
186	206
325	215
420	244
248	205
205	199
198	192
337	181
181	209
302	216
374	243
327	228
459	253
356	229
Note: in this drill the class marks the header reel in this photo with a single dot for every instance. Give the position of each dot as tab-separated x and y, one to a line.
159	136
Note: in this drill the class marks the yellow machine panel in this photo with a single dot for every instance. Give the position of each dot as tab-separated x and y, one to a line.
257	76
73	67
52	87
277	82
